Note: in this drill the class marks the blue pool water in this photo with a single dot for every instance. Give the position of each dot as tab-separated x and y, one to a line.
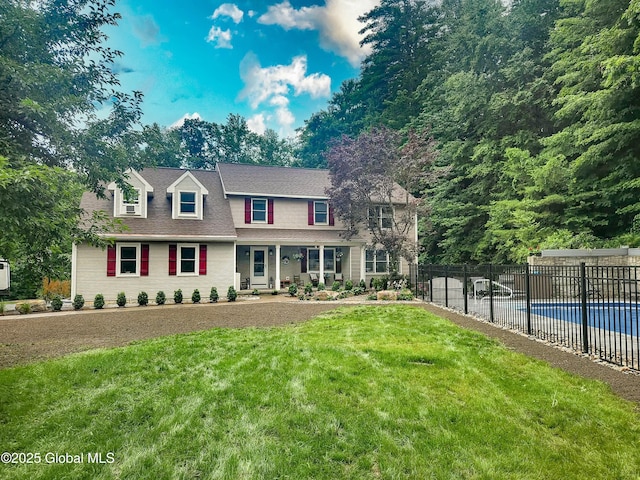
615	316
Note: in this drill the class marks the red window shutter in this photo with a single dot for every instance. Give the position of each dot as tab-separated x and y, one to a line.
247	210
203	259
173	259
311	222
144	260
331	219
111	261
303	261
270	210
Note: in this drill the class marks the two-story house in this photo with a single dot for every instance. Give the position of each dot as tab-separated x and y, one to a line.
242	225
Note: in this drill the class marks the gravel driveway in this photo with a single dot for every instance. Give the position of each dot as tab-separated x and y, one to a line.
26	339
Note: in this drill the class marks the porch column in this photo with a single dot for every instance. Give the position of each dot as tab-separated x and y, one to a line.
321	279
363	263
277	284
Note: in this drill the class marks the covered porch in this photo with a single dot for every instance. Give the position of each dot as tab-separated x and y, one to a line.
276	266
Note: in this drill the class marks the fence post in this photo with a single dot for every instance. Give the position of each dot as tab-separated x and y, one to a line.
430	283
491	293
446	286
583	301
464	290
527	289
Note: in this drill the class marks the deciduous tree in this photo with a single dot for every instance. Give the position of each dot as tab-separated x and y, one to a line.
365	175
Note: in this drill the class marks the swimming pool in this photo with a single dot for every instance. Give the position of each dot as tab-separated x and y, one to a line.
614	316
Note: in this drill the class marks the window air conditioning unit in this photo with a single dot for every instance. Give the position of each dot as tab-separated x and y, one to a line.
130	209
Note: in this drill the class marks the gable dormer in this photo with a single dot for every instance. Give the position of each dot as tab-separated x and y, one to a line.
131	203
187	196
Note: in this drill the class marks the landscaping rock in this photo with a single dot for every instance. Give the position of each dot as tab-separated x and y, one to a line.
387	295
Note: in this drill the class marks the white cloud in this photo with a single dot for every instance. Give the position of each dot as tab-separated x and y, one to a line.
336	21
285	120
274	85
263	84
187	116
257	123
222	38
228	10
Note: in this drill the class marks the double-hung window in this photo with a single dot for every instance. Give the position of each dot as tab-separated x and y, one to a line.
188	203
329	260
128	259
320	213
376	261
188	259
258	210
381	217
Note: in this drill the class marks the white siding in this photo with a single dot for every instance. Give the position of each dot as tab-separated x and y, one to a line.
91	275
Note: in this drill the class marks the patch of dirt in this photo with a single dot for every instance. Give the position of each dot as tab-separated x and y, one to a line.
30	338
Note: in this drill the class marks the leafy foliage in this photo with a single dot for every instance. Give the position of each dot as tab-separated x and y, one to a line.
365	172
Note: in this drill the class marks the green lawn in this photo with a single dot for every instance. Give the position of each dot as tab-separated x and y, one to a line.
363	392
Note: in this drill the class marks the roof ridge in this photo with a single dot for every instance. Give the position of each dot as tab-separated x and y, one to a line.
275	166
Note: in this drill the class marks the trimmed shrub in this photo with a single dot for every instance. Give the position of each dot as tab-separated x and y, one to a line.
232	294
308	289
78	302
177	296
98	301
143	299
213	295
405	295
348	285
362	284
121	299
335	287
161	298
195	296
293	289
378	284
56	303
320	286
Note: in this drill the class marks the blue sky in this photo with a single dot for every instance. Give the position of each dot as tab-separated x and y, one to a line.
273	62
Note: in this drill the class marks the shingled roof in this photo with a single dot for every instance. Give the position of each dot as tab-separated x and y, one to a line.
218	221
285	182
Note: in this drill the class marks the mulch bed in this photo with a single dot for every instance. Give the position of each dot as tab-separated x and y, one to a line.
27	339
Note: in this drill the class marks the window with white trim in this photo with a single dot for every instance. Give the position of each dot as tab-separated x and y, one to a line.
128	259
376	261
314	260
131	201
380	217
188	203
320	213
259	210
188	259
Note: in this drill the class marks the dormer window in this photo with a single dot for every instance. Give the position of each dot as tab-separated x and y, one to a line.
187	196
131	201
187	203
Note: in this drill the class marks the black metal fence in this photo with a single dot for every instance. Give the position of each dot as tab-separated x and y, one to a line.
592	309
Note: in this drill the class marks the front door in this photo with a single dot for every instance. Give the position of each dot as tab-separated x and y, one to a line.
259	267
